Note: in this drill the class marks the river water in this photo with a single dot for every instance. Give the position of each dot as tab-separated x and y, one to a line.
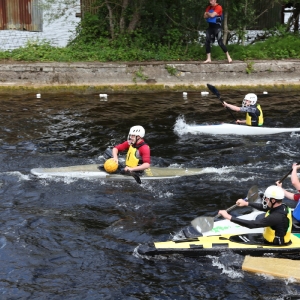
77	238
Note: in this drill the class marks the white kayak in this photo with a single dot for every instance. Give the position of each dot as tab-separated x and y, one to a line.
225	128
225	226
93	170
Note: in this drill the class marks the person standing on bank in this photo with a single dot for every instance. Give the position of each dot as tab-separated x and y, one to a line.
254	114
138	152
296	197
277	220
213	15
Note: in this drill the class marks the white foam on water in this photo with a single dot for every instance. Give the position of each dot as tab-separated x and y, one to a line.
18	174
180	127
222	170
3	242
225	270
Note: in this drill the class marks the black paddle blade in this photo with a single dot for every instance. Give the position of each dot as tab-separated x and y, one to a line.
133	174
108	153
213	90
216	92
136	177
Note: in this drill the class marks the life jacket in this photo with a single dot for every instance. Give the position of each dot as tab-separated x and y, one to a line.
296	212
254	120
217	19
269	233
133	158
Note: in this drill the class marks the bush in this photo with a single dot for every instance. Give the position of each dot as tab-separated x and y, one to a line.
135	48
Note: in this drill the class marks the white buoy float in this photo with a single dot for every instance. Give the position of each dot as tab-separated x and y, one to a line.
103	97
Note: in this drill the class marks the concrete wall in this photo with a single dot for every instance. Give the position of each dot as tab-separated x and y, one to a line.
147	76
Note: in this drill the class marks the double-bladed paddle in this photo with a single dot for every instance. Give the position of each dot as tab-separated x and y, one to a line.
216	92
203	224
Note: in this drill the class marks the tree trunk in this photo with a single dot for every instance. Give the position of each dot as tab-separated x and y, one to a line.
111	20
244	27
136	16
122	17
225	23
296	16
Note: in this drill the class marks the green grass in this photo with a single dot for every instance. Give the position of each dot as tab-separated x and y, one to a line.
276	47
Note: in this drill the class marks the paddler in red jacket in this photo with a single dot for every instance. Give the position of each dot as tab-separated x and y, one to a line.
138	154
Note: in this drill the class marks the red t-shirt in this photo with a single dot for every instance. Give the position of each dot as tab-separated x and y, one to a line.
297	196
143	150
217	8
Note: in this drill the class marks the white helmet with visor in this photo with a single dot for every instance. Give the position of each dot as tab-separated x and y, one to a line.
272	192
250	97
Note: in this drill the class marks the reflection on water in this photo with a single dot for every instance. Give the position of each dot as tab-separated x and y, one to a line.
76	238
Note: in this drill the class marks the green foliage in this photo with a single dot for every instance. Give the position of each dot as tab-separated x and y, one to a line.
139	74
275	47
165	30
171	70
250	67
134	47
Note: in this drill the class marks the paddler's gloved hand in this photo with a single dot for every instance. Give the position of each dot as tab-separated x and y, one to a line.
225	214
241	202
126	170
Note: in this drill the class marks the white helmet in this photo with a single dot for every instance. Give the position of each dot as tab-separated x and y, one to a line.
137	130
273	192
250	97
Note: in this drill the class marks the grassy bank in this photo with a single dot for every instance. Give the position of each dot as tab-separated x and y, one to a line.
276	47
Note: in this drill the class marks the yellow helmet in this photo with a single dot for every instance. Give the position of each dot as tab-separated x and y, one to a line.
110	166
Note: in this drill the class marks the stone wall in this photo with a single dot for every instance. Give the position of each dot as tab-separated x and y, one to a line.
151	75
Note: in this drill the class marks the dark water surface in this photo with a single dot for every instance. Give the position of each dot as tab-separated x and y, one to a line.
77	239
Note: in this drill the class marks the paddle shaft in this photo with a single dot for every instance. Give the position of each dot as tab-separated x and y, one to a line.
232	207
287	174
228	209
216	92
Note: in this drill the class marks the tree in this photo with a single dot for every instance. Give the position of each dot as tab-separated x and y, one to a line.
160	22
293	21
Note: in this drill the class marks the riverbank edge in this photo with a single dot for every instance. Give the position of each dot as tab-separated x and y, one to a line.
136	77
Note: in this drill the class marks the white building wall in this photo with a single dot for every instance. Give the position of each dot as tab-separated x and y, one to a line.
57	33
